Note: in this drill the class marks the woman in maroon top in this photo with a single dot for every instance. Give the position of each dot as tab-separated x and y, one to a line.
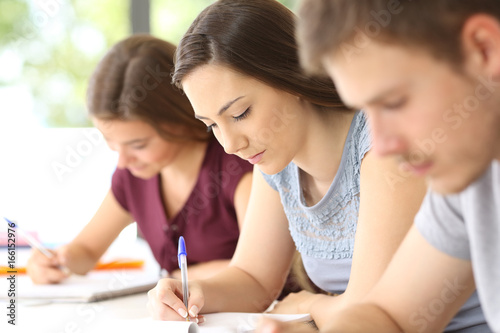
172	177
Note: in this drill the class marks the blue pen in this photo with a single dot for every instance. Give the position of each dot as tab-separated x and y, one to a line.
182	258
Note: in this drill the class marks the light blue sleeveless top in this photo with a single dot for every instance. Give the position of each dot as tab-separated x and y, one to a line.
324	233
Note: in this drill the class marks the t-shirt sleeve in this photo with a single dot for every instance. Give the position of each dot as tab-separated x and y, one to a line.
441	223
271	180
118	187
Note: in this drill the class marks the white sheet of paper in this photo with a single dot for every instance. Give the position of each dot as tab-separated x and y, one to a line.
225	322
95	286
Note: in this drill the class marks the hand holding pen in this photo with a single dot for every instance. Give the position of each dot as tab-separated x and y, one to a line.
43	269
44	266
164	300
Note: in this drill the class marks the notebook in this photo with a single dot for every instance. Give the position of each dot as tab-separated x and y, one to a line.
95	286
225	322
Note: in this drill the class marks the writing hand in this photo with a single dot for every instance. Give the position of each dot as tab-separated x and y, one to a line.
44	270
165	301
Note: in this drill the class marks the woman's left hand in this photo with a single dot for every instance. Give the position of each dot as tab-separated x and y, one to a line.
273	326
296	303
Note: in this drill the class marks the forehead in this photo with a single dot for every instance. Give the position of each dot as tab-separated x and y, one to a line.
361	74
210	86
122	127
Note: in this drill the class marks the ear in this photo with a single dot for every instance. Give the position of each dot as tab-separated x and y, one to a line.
481	45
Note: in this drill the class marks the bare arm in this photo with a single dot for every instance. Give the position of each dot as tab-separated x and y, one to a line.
419	281
241	197
84	251
257	271
386	214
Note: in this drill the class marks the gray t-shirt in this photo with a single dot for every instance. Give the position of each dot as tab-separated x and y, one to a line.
324	233
467	226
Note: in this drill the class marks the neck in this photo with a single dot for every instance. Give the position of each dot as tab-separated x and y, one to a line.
188	161
321	152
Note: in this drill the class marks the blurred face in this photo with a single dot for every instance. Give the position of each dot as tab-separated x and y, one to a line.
440	124
249	118
140	148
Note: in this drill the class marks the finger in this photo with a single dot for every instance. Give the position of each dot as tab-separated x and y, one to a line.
168	291
159	310
45	275
62	255
196	300
41	259
268	326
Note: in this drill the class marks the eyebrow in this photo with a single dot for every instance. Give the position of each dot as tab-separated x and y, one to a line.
222	109
379	98
135	141
131	142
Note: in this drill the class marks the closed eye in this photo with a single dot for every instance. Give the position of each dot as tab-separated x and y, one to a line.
245	114
139	147
396	104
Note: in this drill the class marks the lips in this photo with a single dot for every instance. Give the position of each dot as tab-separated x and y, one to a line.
256	158
136	169
419	170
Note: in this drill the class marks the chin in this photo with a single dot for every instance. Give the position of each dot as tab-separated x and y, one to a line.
143	174
454	183
270	169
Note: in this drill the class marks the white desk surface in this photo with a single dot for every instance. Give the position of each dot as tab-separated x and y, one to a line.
39	317
45	317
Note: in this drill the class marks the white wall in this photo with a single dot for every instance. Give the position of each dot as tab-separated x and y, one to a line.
52	180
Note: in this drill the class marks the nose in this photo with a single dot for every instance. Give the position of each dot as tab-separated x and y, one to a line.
386	139
123	158
232	141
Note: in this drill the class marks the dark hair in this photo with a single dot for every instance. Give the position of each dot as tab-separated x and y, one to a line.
332	26
255	38
132	82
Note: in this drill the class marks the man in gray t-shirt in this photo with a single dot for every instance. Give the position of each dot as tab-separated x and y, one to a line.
467	226
431	91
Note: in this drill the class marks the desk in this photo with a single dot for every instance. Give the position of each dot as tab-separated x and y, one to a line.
45	317
73	317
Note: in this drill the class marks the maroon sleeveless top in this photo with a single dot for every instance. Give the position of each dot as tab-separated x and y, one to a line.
208	219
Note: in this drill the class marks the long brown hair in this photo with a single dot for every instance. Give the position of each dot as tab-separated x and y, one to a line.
133	82
255	38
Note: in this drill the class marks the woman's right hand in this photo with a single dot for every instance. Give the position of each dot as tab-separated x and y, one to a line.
165	301
44	270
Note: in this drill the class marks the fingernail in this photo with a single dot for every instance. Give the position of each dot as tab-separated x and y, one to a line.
268	329
193	312
182	312
201	320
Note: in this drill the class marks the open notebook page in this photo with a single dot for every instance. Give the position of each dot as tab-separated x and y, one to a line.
95	286
225	322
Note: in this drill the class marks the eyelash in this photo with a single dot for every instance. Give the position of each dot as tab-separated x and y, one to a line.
398	104
242	116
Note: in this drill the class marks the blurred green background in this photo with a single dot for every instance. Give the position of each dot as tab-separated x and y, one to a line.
48	49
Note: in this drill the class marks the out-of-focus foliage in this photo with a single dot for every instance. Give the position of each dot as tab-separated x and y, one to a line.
49	48
170	19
